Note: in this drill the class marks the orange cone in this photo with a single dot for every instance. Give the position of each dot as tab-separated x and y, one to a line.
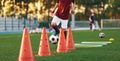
70	41
61	48
44	49
25	50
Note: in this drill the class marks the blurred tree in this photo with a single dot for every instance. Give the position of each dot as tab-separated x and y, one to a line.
116	9
26	1
89	4
79	16
105	8
48	4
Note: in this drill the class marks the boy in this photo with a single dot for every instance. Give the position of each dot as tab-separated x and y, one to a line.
92	22
61	11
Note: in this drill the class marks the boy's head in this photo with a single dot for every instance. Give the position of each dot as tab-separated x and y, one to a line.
92	14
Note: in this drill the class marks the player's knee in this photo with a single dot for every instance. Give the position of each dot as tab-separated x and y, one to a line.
53	25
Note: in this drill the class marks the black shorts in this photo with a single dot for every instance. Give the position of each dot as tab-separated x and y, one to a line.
92	22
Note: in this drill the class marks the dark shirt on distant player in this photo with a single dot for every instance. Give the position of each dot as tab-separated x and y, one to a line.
92	18
63	10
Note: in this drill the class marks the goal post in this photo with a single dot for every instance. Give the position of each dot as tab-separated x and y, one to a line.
84	25
110	24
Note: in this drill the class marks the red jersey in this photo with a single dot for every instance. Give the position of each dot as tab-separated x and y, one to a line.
63	10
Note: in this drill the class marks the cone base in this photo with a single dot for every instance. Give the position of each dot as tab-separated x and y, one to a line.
26	59
72	49
62	51
45	55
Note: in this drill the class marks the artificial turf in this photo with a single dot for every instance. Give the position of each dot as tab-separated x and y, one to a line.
10	46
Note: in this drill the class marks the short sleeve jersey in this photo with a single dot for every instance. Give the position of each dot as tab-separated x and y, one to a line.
63	10
92	18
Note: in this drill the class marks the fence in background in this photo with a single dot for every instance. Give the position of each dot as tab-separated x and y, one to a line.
110	24
13	24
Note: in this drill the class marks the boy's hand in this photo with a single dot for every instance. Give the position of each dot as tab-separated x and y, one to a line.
72	11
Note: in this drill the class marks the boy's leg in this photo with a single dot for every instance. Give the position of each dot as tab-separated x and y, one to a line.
64	25
54	24
90	26
93	27
65	33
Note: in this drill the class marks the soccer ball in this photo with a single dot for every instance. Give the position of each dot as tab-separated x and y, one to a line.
101	35
53	39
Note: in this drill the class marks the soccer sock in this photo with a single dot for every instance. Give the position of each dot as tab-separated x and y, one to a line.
65	33
93	27
90	26
56	30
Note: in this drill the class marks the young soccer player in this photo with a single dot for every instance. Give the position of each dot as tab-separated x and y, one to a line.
61	14
92	22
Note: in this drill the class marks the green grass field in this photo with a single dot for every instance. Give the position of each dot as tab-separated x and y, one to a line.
10	46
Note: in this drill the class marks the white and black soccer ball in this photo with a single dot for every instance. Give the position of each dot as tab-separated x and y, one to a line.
53	39
101	35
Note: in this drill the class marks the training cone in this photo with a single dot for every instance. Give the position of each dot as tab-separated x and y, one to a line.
70	41
61	48
25	50
44	49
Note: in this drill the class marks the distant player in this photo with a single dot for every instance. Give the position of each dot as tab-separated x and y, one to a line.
92	22
61	14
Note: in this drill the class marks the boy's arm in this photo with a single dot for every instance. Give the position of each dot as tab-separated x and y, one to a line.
56	5
90	19
72	8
